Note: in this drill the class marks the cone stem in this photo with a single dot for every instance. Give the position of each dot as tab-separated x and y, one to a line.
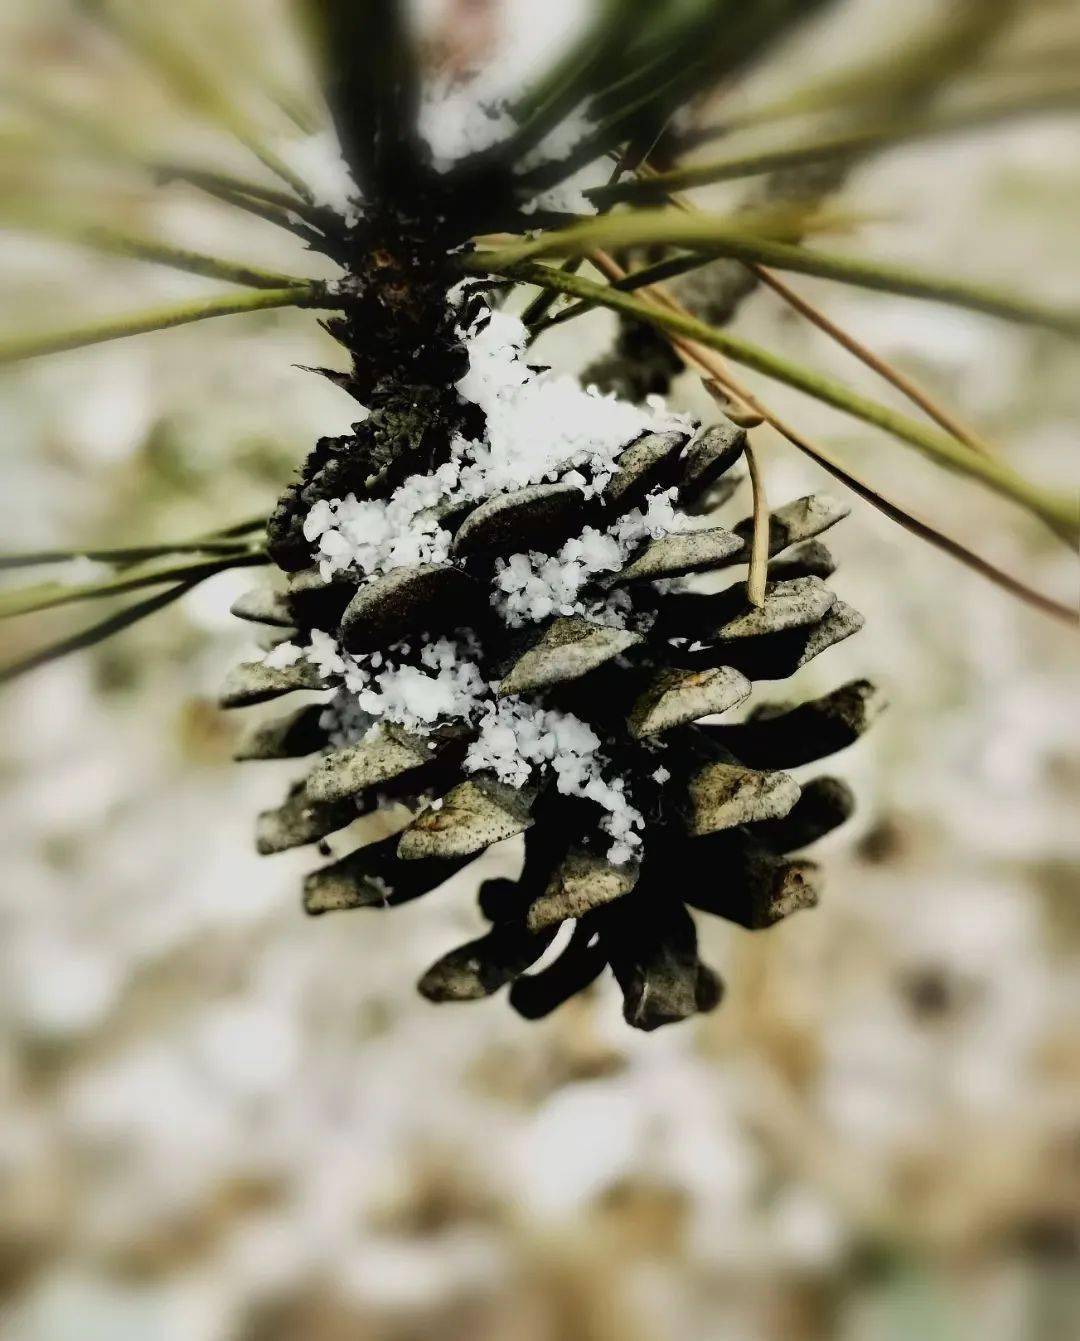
759	545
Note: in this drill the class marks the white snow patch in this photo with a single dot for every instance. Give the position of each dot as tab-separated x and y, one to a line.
567	196
515	739
283	655
532	586
540	427
458	119
541	424
81	571
318	162
463	116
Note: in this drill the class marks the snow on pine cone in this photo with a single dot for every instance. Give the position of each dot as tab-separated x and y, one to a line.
504	641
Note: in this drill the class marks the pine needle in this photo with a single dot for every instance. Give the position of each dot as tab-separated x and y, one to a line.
33	600
718	380
846	145
672	228
907	386
743	238
1057	511
44	558
119	242
1063	613
17	348
866	273
193	85
95	633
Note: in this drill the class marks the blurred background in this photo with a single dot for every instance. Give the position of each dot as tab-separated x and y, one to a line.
219	1120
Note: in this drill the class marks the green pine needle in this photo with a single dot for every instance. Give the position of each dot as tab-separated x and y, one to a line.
1058	512
17	348
743	239
49	596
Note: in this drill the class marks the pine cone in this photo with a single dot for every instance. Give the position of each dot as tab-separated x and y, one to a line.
578	726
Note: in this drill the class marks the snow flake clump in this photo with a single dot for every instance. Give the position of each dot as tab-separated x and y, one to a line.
517	737
540	425
283	655
318	162
533	586
376	535
465	114
441	683
458	119
445	686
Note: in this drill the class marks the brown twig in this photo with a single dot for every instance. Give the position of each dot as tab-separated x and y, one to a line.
713	367
903	518
911	389
904	384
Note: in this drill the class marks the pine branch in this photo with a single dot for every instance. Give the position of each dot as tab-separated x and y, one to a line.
15	349
1059	513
